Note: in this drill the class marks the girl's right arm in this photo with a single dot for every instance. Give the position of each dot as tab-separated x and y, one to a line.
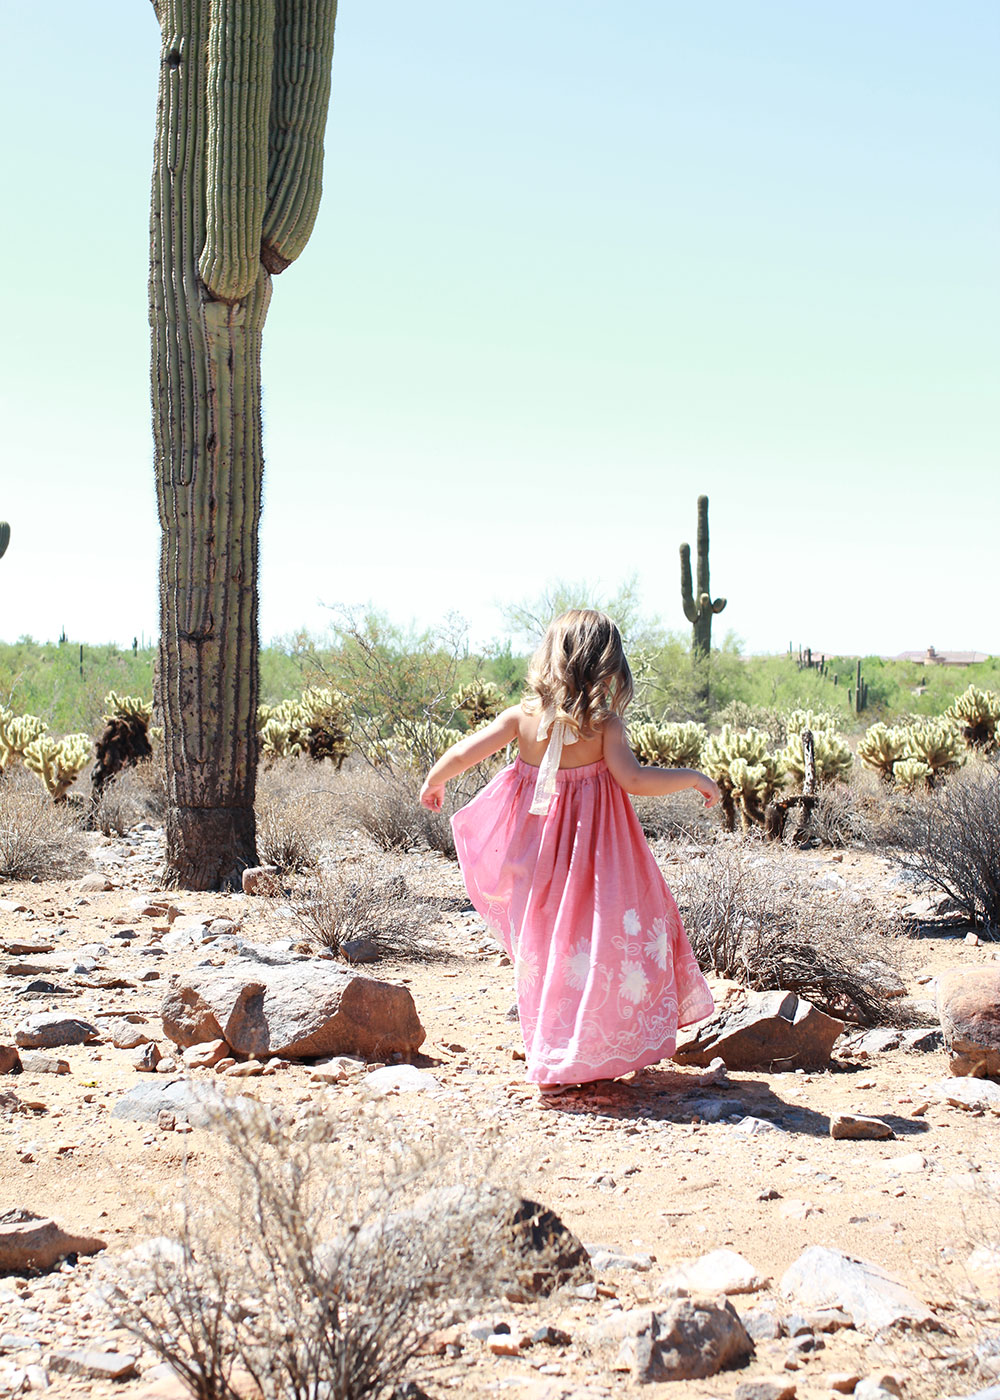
467	752
626	769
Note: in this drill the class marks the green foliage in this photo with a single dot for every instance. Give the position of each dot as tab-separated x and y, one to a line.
58	762
668	745
977	712
48	679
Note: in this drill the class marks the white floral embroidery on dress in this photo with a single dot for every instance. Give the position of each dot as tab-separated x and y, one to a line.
576	966
525	970
634	982
631	923
658	943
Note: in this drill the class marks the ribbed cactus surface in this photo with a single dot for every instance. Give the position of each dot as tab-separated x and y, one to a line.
699	607
244	87
4	537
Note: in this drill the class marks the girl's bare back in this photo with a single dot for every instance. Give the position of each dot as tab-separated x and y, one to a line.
576	755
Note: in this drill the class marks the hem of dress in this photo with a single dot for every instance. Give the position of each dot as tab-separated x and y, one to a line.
611	1069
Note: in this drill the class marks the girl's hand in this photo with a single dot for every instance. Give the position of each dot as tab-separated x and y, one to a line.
708	788
432	796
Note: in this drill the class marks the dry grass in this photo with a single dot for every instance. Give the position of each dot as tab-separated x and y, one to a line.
751	916
37	837
135	794
385	803
324	1266
679	818
296	811
366	903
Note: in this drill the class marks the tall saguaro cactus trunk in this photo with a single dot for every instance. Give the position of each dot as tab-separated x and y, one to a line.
244	91
698	606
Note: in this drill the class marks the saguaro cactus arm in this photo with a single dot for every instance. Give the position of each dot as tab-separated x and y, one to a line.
237	108
300	97
4	537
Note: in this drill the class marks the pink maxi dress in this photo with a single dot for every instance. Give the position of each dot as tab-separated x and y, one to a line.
604	971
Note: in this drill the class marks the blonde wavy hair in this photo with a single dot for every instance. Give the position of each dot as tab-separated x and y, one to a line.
580	671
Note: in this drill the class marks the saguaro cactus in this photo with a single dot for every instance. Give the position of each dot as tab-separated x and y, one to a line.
4	537
244	91
699	607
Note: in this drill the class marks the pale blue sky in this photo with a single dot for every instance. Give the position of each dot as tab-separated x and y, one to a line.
575	264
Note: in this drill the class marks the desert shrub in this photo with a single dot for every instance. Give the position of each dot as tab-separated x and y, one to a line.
134	794
851	813
294	816
950	837
681	817
363	900
752	918
739	715
324	1266
385	803
36	836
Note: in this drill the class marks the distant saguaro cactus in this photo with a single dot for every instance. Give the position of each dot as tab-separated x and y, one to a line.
4	537
244	91
698	606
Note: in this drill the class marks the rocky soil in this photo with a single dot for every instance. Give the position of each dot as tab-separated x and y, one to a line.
653	1173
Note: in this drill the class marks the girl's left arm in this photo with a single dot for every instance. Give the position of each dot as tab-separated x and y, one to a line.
468	752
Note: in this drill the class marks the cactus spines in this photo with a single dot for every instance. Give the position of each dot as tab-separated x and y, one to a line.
4	537
977	712
16	733
831	754
698	605
480	701
881	748
668	745
58	762
936	744
244	87
748	776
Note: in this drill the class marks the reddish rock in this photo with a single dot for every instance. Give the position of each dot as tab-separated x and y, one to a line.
10	1060
260	879
968	1005
30	1241
299	1010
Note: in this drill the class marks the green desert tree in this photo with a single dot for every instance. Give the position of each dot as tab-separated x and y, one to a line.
243	97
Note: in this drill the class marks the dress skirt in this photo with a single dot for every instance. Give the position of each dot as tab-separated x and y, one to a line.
604	971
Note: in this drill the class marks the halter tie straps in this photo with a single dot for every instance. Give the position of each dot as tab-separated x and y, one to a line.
558	733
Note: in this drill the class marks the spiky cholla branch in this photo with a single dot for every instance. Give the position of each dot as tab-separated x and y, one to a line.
244	88
698	606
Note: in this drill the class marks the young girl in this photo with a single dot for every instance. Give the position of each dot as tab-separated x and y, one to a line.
555	861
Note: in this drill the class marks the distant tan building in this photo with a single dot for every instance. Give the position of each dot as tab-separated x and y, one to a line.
933	657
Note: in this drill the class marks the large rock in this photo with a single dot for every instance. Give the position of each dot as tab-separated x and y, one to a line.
30	1241
968	1005
50	1029
687	1341
306	1009
721	1271
873	1299
769	1030
201	1105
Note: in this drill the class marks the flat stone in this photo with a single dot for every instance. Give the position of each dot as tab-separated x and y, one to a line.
399	1079
300	1011
94	884
720	1271
859	1126
872	1298
29	1241
206	1055
49	1030
96	1365
32	1062
768	1030
766	1388
969	1093
128	1037
606	1261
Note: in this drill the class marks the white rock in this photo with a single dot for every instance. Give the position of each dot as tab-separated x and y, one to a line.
399	1079
721	1271
823	1278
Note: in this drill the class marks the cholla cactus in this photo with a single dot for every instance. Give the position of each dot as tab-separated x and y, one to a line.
832	754
16	733
882	748
748	776
819	721
423	742
977	712
281	736
668	745
480	701
938	745
910	773
326	715
58	762
126	707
